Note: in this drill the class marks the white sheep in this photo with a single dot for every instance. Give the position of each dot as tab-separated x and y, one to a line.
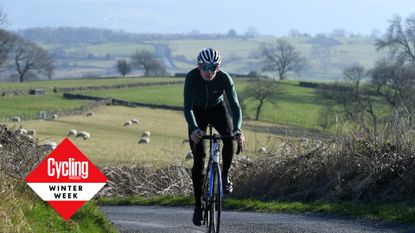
144	140
90	114
189	155
135	121
50	145
72	133
262	149
31	132
85	135
30	137
16	119
21	131
146	134
128	123
55	116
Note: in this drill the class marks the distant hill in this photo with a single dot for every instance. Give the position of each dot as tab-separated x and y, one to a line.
65	35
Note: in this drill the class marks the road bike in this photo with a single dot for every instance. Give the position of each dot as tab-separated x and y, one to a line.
212	185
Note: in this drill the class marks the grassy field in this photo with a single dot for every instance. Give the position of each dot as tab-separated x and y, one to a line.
28	107
50	84
111	143
296	106
167	94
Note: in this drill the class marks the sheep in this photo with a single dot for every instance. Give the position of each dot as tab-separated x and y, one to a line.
55	116
146	134
50	145
31	132
21	131
30	137
262	149
144	140
127	123
189	155
90	114
16	119
85	135
135	121
72	133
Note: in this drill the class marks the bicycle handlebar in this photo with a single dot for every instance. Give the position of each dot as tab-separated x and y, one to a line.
226	137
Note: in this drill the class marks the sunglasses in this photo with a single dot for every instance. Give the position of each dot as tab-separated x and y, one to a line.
209	67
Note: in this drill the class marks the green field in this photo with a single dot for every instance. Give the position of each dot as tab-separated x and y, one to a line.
50	84
295	106
28	107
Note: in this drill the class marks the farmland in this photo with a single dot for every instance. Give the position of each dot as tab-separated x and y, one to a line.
112	143
296	106
240	55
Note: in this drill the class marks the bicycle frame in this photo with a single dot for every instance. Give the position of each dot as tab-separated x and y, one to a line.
212	186
213	163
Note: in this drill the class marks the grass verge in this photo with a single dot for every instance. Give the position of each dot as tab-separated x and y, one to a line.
399	212
21	210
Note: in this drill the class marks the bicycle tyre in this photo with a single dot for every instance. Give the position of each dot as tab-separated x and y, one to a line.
215	205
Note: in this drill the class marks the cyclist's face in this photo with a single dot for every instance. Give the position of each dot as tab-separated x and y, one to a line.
208	71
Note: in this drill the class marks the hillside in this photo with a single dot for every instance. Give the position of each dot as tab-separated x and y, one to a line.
88	52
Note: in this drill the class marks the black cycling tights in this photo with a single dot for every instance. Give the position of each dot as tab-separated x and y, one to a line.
219	118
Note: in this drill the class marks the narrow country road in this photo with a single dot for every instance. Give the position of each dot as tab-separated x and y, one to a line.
178	219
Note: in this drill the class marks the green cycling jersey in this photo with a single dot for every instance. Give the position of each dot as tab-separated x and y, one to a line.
205	94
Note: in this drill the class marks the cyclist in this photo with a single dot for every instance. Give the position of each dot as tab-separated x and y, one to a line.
204	104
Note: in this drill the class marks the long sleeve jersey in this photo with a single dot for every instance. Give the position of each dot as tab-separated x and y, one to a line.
205	94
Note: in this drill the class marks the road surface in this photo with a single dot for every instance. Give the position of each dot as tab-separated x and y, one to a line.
150	219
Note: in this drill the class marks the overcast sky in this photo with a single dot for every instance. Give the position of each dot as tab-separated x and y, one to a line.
273	17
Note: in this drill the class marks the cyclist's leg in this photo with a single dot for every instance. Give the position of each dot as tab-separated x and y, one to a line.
222	122
199	157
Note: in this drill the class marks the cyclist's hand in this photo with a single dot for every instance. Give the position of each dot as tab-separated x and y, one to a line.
239	136
196	135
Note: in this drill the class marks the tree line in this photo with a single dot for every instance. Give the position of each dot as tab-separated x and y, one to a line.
68	35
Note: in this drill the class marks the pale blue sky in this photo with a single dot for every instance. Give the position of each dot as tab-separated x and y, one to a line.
274	17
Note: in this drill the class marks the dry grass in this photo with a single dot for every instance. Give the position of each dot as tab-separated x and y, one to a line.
146	181
352	167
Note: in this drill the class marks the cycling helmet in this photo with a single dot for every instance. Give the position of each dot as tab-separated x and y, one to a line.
209	55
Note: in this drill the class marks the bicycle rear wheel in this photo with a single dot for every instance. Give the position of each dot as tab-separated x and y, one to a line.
215	203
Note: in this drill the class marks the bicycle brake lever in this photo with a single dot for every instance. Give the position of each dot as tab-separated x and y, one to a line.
239	149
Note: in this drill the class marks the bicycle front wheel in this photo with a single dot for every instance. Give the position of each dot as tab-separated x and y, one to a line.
216	202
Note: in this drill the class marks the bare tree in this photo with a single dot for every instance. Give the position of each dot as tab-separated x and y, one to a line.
6	39
396	83
3	18
261	91
144	59
351	101
400	39
251	32
123	67
30	57
6	44
281	57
